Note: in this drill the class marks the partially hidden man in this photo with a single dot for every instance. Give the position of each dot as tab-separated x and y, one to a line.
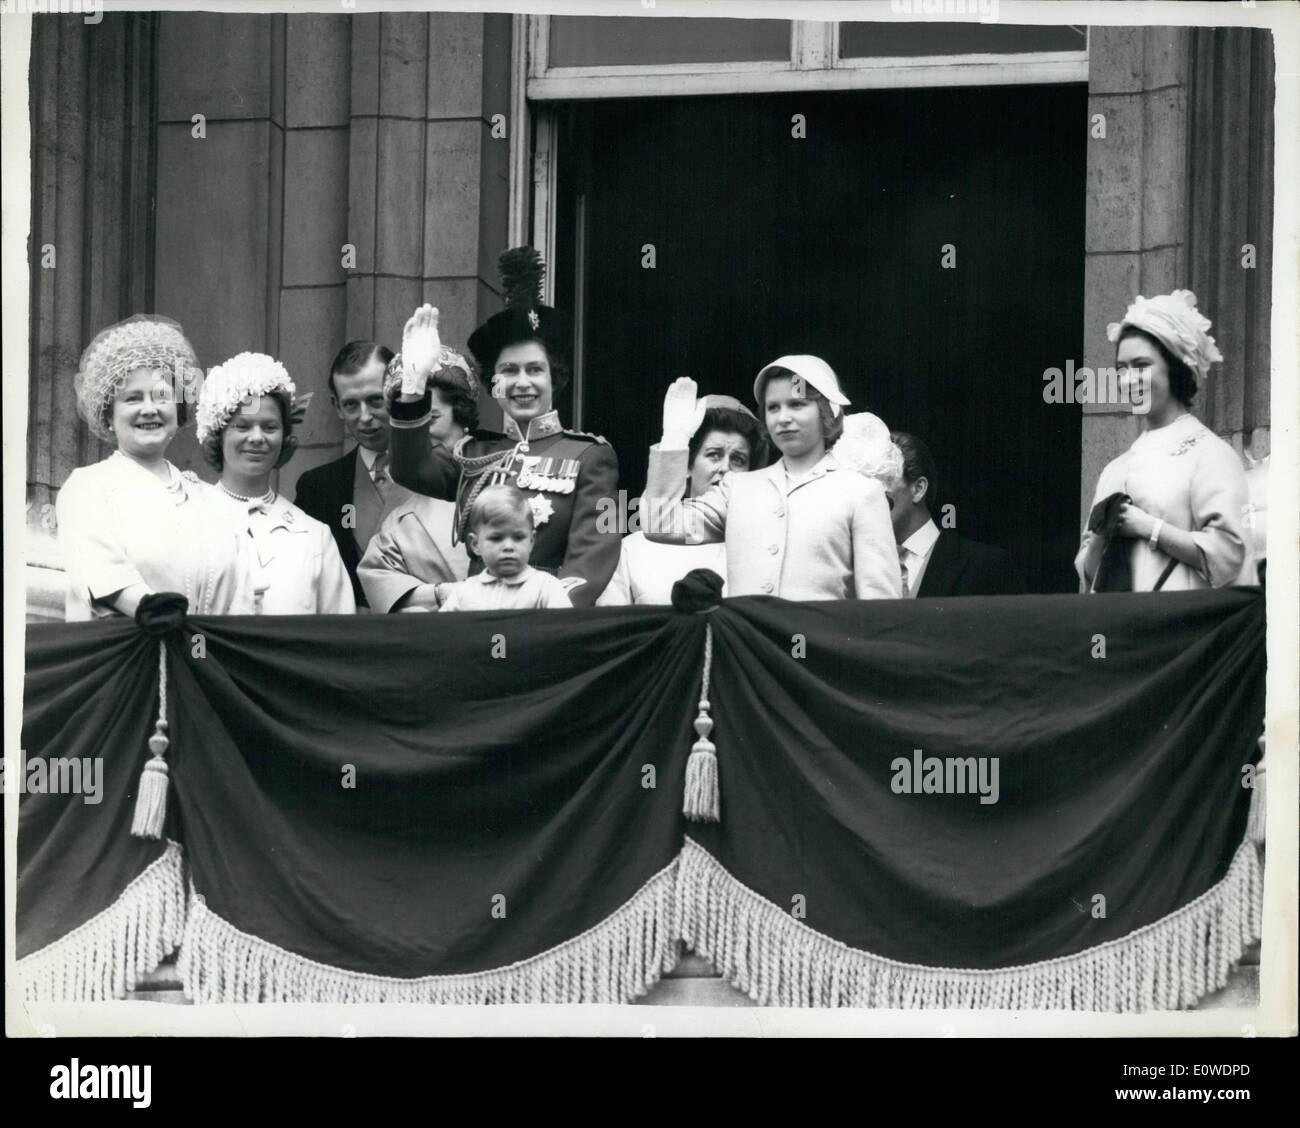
524	352
353	494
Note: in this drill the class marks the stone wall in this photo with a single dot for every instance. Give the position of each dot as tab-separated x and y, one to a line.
348	174
1172	197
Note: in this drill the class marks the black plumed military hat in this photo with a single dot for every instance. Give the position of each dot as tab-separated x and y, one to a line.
525	318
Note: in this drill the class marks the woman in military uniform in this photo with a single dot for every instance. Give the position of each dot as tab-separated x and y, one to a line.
523	350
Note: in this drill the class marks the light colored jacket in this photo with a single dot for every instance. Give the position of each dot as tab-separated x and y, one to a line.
412	547
829	537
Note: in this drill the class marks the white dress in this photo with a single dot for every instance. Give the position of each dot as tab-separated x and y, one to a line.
1187	475
119	525
647	571
293	564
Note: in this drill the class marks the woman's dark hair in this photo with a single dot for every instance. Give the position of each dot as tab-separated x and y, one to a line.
353	357
1182	382
212	444
918	463
832	423
463	403
731	422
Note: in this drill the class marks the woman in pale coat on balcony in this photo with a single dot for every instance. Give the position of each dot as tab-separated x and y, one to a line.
803	528
133	525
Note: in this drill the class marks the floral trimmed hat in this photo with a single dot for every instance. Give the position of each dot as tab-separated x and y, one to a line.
240	380
1176	323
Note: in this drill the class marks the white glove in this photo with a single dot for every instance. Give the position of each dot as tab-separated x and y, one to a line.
420	350
683	414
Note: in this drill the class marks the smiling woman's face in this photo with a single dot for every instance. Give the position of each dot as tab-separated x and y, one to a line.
144	415
251	442
522	381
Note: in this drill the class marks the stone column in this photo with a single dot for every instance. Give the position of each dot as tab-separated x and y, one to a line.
220	186
1135	241
91	238
429	184
313	283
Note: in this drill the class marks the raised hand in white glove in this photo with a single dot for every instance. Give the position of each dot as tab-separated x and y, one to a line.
421	348
683	414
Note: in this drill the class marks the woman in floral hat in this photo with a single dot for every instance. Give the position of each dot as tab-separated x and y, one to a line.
134	524
1186	488
246	416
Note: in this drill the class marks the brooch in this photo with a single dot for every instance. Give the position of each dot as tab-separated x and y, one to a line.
1185	445
542	509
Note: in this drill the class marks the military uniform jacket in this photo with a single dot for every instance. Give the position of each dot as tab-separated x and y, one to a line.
566	476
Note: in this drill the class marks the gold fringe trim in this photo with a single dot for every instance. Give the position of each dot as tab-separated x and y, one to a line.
614	961
778	961
111	952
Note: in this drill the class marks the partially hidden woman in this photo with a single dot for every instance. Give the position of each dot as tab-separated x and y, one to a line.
1184	522
524	352
415	549
133	524
246	417
729	440
803	528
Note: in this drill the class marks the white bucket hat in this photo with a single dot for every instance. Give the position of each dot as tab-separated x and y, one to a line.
812	370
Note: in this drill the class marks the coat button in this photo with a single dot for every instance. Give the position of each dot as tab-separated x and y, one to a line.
780	512
773	549
767	587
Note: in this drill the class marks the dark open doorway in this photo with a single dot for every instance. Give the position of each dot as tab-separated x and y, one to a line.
766	243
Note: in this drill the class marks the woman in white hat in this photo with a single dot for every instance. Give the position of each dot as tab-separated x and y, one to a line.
1184	520
246	415
728	440
133	524
802	528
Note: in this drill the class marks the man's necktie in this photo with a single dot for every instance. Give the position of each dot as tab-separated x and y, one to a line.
903	554
379	472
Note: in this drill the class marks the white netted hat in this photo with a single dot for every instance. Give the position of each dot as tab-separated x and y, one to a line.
141	341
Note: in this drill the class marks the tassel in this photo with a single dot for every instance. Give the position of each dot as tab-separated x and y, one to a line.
151	800
701	801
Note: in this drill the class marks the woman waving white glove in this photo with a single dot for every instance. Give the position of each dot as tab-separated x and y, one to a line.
421	348
683	414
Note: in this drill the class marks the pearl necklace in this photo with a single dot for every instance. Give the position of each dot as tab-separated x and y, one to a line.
265	499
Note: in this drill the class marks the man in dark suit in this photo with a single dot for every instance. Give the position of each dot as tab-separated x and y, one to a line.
352	494
938	562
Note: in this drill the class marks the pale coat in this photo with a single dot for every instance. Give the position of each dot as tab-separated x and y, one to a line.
294	567
119	526
412	547
830	538
1190	478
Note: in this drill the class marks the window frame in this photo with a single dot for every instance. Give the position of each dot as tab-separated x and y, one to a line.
814	64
